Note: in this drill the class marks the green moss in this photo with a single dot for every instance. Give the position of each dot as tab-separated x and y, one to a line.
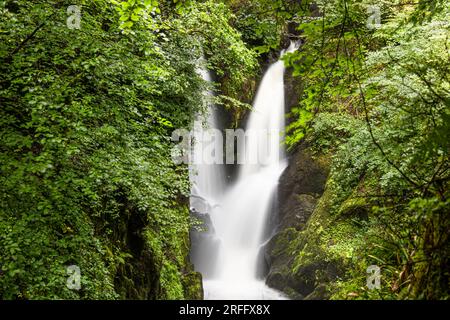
170	253
192	284
170	281
287	240
354	207
327	239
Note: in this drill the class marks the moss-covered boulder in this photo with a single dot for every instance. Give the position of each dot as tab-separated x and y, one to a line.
300	189
319	230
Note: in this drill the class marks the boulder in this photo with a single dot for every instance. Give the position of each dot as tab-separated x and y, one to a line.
300	188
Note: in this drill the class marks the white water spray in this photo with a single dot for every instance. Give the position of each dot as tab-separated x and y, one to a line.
208	180
239	221
208	184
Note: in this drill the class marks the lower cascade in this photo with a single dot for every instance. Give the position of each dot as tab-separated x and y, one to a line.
240	213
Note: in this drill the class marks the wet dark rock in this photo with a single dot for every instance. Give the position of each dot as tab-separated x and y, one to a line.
263	267
297	211
300	188
319	293
304	175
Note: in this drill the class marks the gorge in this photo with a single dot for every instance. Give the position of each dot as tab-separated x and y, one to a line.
339	160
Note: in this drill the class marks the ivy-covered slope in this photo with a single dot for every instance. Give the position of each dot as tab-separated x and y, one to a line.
374	109
86	118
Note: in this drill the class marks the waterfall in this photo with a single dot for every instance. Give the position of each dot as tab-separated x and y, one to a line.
208	179
207	183
240	218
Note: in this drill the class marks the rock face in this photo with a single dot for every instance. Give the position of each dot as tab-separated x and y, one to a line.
294	260
138	277
300	188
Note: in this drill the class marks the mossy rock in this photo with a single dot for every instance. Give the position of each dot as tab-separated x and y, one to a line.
301	208
354	207
192	284
319	293
301	264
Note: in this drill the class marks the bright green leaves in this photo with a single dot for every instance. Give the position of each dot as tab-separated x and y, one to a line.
131	11
412	97
208	27
426	10
298	129
394	84
328	63
86	118
182	5
208	24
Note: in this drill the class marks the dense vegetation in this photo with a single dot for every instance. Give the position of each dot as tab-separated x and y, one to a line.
375	98
86	116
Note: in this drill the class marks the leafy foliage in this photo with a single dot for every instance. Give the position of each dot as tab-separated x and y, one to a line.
378	100
262	23
86	118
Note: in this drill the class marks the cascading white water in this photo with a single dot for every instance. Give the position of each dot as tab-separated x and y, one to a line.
208	180
240	220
